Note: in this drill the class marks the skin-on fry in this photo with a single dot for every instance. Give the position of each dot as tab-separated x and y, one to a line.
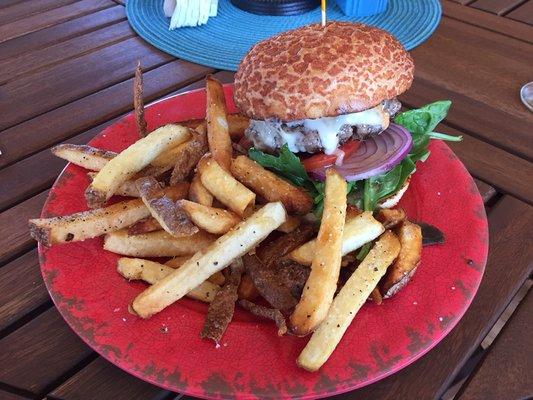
163	209
376	296
216	257
217	123
87	157
128	188
247	289
191	153
145	225
271	187
390	217
225	187
291	224
198	193
322	282
156	244
217	278
210	219
399	273
138	103
130	161
87	224
359	230
150	272
348	302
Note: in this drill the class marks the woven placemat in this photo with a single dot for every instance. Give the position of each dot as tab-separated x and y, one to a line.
226	38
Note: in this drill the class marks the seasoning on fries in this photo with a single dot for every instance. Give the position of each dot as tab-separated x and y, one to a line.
348	302
223	186
217	123
151	272
237	242
322	282
198	193
84	156
130	161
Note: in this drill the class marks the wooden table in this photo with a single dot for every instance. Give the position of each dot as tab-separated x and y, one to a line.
66	73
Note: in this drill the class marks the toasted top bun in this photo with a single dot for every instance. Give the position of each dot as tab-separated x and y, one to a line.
316	71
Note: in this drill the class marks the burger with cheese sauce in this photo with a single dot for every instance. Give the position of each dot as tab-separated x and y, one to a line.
328	94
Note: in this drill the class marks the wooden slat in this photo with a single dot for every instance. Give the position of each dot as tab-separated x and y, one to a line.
22	288
7	3
122	2
508	267
40	352
488	21
59	53
55	34
28	176
10	396
507	370
498	7
63	83
102	380
480	72
524	13
26	8
57	125
51	17
504	171
14	236
486	191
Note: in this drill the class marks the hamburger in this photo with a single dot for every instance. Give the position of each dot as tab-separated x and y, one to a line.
328	95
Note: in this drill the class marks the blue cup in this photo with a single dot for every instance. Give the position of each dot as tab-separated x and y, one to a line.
361	8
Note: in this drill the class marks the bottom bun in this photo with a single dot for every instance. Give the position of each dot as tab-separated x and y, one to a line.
393	200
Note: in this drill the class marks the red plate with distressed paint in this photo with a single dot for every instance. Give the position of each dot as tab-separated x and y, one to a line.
252	361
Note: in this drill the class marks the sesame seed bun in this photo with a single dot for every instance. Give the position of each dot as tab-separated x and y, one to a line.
316	71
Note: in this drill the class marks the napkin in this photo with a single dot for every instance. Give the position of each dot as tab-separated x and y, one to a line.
189	12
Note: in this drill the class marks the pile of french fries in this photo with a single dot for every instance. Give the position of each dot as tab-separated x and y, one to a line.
195	201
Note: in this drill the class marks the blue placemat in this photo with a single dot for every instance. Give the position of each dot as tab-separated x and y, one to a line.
227	37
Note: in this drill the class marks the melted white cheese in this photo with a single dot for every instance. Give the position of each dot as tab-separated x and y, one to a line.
328	127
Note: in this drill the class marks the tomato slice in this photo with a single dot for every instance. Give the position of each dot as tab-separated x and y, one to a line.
321	160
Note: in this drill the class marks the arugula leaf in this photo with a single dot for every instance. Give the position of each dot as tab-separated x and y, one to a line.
286	164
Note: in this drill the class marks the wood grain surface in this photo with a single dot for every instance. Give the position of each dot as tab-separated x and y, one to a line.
507	370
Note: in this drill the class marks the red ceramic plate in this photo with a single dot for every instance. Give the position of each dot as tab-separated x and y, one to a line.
252	361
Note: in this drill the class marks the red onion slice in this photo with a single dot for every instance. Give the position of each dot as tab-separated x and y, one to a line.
375	156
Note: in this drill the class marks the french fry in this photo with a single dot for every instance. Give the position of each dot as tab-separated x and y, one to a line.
399	273
138	103
271	187
156	244
171	218
198	193
322	282
348	302
217	278
151	272
217	123
210	219
176	262
130	161
391	217
237	124
84	156
225	187
291	224
358	230
87	224
237	242
247	289
127	189
376	297
191	153
145	225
